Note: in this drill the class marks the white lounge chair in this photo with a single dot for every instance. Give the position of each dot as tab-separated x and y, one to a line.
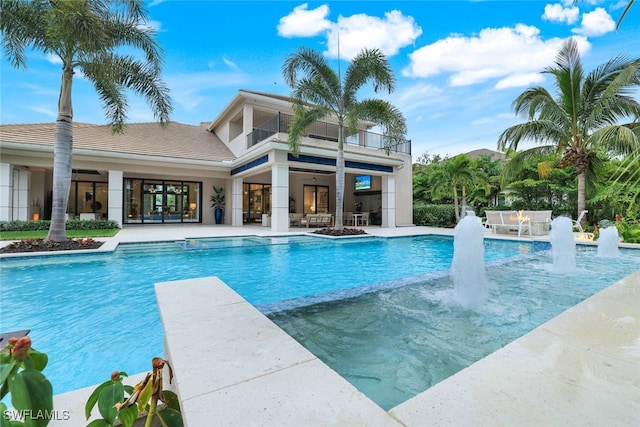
577	223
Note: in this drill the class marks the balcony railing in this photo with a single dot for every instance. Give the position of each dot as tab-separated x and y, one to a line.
327	132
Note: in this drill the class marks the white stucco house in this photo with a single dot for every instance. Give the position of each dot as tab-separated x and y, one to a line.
151	175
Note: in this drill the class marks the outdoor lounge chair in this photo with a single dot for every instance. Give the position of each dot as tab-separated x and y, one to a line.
577	223
505	221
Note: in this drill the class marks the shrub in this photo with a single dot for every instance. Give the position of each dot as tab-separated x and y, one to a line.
72	224
434	215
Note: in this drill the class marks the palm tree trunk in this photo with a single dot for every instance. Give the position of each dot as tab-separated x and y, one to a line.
62	159
582	185
340	179
455	203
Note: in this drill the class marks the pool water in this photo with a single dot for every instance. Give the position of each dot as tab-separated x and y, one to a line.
396	343
96	313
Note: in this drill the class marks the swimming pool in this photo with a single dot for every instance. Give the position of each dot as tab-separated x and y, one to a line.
95	313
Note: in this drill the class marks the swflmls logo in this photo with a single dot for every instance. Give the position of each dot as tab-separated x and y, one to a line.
37	415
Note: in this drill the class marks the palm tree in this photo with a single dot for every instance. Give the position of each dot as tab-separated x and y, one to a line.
319	93
582	120
457	173
87	35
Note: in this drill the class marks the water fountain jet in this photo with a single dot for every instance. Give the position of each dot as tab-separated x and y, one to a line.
608	241
563	245
467	268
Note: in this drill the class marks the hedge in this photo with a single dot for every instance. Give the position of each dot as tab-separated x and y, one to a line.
71	224
434	215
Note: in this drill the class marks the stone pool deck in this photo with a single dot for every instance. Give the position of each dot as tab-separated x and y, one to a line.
235	367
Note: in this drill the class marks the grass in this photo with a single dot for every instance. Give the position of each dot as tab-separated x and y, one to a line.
20	235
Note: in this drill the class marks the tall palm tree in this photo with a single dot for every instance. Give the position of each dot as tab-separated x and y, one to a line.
86	35
584	117
319	92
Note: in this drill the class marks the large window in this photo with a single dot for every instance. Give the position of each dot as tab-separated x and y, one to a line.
160	201
88	199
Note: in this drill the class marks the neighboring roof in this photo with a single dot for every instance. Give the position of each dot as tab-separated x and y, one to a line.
495	155
177	140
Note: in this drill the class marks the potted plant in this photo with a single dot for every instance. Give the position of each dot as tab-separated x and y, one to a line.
217	203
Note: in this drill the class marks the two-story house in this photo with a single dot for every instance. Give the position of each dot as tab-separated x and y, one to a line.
151	175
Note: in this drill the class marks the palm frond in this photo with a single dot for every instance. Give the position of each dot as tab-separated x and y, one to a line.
384	114
523	159
538	131
617	139
370	65
624	13
311	65
22	24
303	117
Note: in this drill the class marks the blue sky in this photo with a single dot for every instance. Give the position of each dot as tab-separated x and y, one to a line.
459	64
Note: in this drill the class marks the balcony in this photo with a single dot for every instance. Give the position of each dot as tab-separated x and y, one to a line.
281	122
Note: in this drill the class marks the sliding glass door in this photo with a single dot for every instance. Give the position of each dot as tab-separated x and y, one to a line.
160	201
316	199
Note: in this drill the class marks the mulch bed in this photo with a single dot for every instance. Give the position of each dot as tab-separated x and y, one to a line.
41	245
344	232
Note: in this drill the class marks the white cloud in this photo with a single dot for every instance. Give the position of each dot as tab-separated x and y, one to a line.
417	96
595	23
303	22
519	80
54	59
44	111
355	32
558	13
191	90
350	34
230	63
513	56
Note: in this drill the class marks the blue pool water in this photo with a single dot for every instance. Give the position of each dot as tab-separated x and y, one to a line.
96	313
396	343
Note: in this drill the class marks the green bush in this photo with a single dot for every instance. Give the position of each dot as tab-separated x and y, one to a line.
72	224
628	228
434	215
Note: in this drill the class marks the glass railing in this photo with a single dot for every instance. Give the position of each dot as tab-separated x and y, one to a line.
327	132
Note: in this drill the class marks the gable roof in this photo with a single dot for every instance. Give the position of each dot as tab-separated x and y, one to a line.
177	140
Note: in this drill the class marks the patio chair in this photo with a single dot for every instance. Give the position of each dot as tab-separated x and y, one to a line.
364	219
347	218
577	223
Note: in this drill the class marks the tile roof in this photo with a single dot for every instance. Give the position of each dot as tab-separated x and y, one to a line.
176	140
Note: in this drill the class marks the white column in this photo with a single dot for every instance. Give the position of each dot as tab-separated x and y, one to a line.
6	190
116	181
388	201
247	122
280	193
236	202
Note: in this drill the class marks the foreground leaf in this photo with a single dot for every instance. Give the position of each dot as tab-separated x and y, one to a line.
31	392
170	418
